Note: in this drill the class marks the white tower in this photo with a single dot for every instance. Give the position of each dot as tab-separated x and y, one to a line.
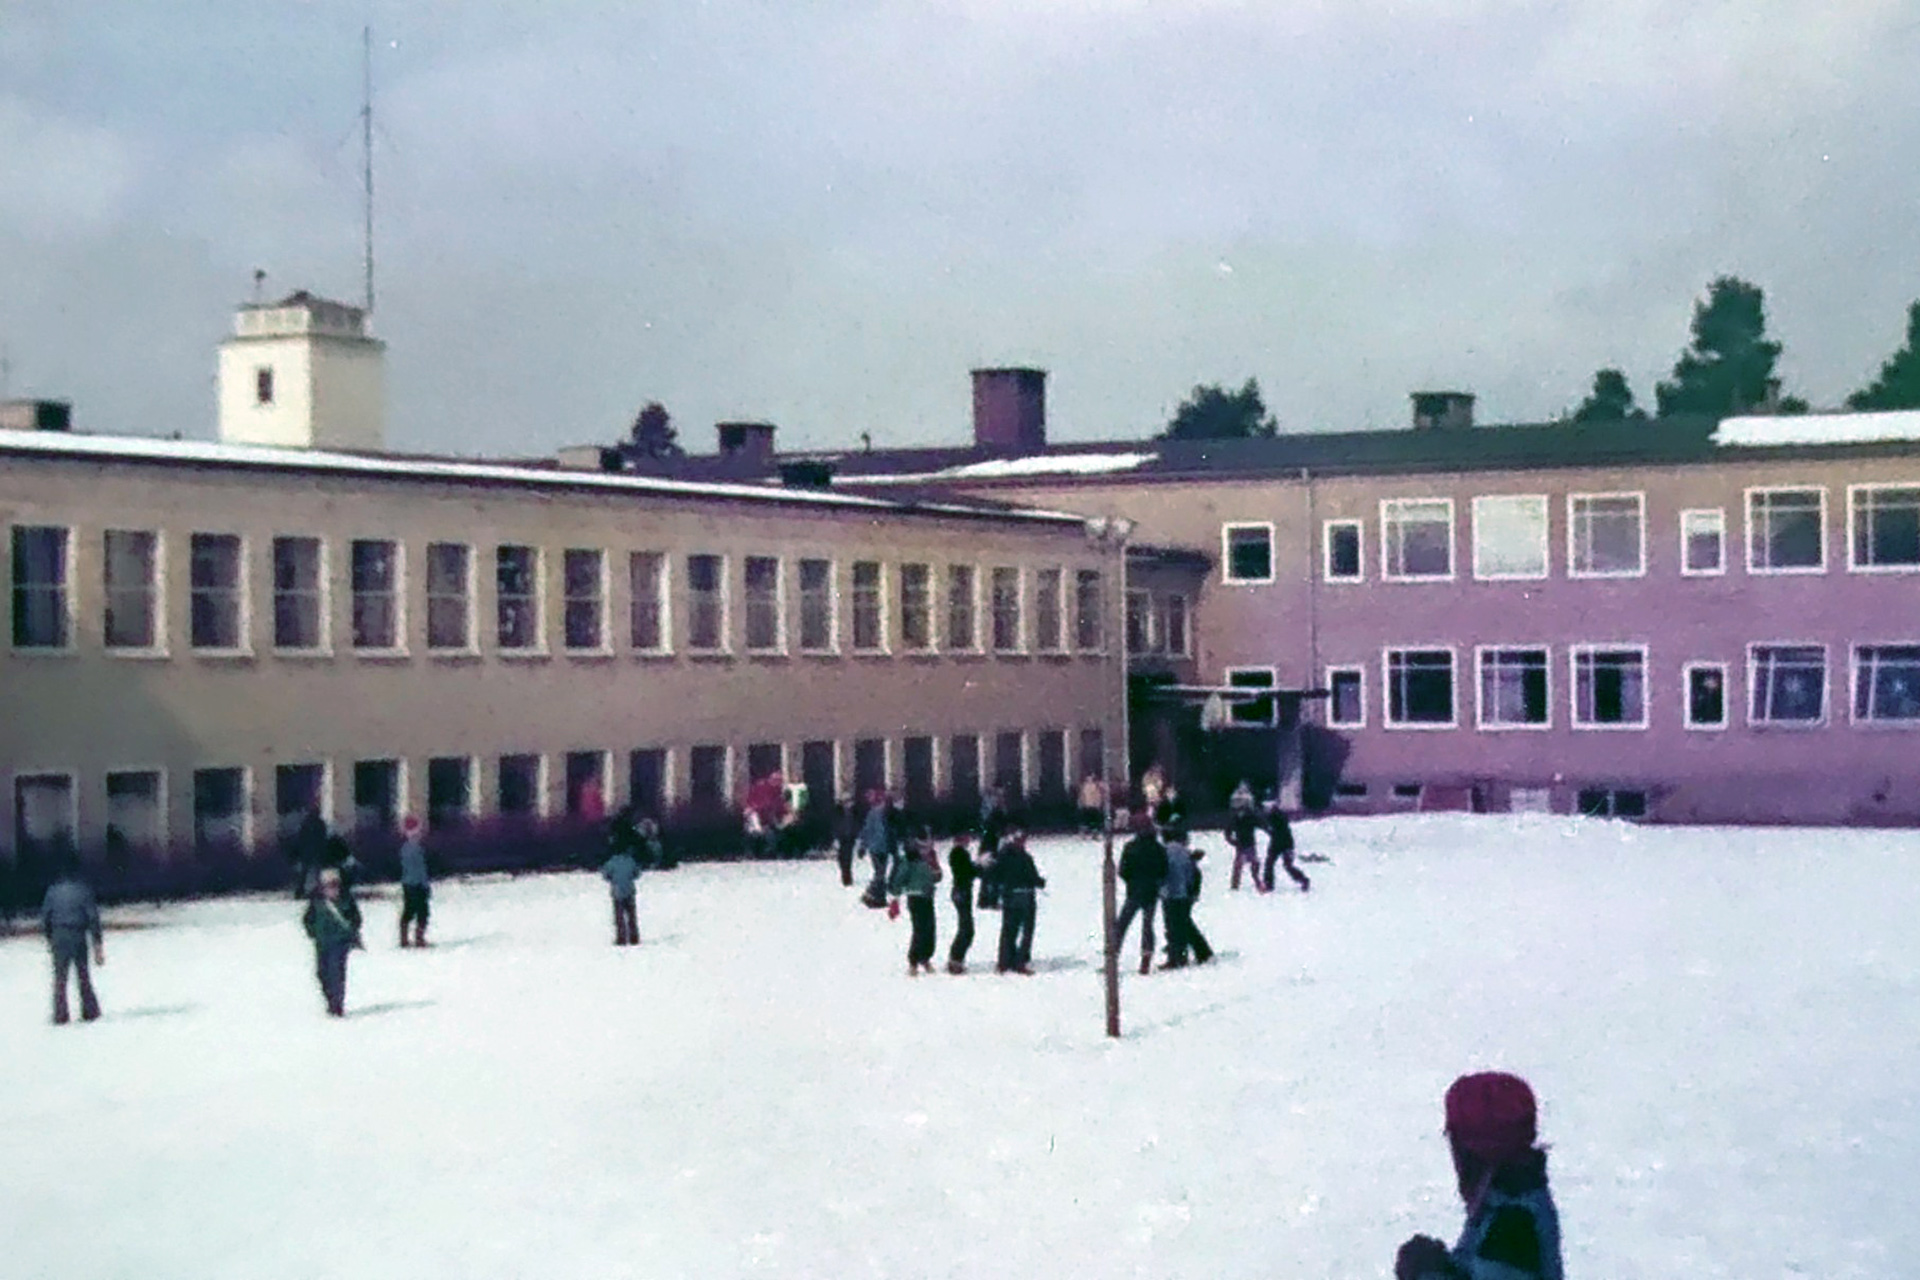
302	373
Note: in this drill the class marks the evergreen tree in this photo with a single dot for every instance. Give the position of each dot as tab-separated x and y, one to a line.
1214	413
1729	368
1611	400
653	433
1898	386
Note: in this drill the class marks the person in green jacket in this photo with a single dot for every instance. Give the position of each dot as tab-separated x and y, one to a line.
332	920
914	877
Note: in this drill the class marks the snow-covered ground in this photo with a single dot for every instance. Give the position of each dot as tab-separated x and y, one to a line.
1724	1028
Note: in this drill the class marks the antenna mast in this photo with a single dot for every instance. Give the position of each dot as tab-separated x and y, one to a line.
366	152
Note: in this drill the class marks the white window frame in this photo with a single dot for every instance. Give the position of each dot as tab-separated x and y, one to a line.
1019	645
929	610
1234	705
156	600
323	593
832	646
1386	689
884	632
71	776
1853	687
468	594
1790	570
1390	520
1102	623
780	634
325	765
1574	654
1686	697
69	604
1480	655
538	647
1024	784
243	602
1853	565
1826	685
1359	573
1226	552
541	789
1573	526
248	803
163	830
1150	637
1061	612
724	590
399	590
602	599
976	643
1354	669
663	601
1480	503
471	811
1719	519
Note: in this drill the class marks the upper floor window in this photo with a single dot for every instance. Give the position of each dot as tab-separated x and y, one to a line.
647	616
963	608
299	594
1885	526
1344	563
215	604
1606	535
131	572
869	608
766	625
1789	683
706	602
40	601
1703	541
1416	539
1049	626
516	576
1510	536
1786	530
583	575
1609	687
1006	610
263	384
1173	625
376	594
916	608
816	606
1089	611
1139	622
1247	552
1886	683
449	596
1706	695
1420	689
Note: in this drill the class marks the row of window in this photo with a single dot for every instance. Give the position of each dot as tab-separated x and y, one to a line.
892	607
1608	688
224	804
1606	537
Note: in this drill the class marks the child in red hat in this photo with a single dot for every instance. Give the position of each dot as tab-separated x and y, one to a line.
1513	1229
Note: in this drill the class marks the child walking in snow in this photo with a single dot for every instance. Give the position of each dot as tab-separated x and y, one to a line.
416	885
332	920
1243	833
1019	881
1280	847
914	877
1181	887
1143	869
1513	1229
621	871
960	861
71	918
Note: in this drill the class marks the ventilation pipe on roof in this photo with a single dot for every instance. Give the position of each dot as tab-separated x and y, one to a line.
1010	410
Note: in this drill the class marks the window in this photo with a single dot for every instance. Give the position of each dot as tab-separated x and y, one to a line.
916	767
376	795
376	597
449	792
219	811
647	628
130	575
1093	753
1049	634
963	608
820	772
299	580
1416	539
1342	538
1510	537
449	596
298	790
1420	689
647	780
583	574
1051	784
1006	610
963	769
766	627
1609	687
1247	552
516	575
1606	535
1789	683
44	817
1601	802
136	814
869	617
1786	530
816	606
1703	541
707	779
1886	683
1173	625
1010	765
263	384
40	588
869	766
916	607
1347	697
1706	695
1089	611
1251	711
520	787
1139	622
1513	689
763	759
217	619
707	602
586	784
1883	523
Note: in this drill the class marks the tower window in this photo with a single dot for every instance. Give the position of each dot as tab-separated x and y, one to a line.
263	384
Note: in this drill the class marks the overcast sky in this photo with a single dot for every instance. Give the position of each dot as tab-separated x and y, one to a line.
824	212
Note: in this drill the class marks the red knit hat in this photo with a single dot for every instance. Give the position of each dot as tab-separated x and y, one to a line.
1491	1115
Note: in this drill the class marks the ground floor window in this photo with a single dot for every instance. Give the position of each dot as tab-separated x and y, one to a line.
869	766
1789	683
916	766
1609	688
1886	682
820	770
1010	766
1513	689
1254	711
586	784
1706	695
707	778
764	759
1093	753
1420	688
136	814
1346	697
519	787
44	818
449	792
298	789
219	811
647	781
963	769
1052	780
376	795
1599	802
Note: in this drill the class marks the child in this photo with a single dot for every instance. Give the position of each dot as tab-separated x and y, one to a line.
332	920
416	885
1243	833
71	916
651	850
1280	847
1018	880
1143	868
1182	885
621	871
846	834
1513	1228
960	860
914	877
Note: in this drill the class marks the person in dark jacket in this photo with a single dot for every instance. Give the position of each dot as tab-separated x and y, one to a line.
337	856
881	833
1018	880
1280	847
621	871
307	850
960	864
1177	893
915	876
1243	833
416	884
332	920
1513	1228
846	834
70	916
1143	869
650	848
1170	815
994	820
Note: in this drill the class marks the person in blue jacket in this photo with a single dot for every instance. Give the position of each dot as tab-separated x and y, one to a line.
70	915
621	871
1513	1229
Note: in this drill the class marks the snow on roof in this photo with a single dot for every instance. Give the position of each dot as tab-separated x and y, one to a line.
1819	428
1045	464
214	453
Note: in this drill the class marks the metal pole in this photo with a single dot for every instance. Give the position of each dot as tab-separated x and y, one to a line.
1109	873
